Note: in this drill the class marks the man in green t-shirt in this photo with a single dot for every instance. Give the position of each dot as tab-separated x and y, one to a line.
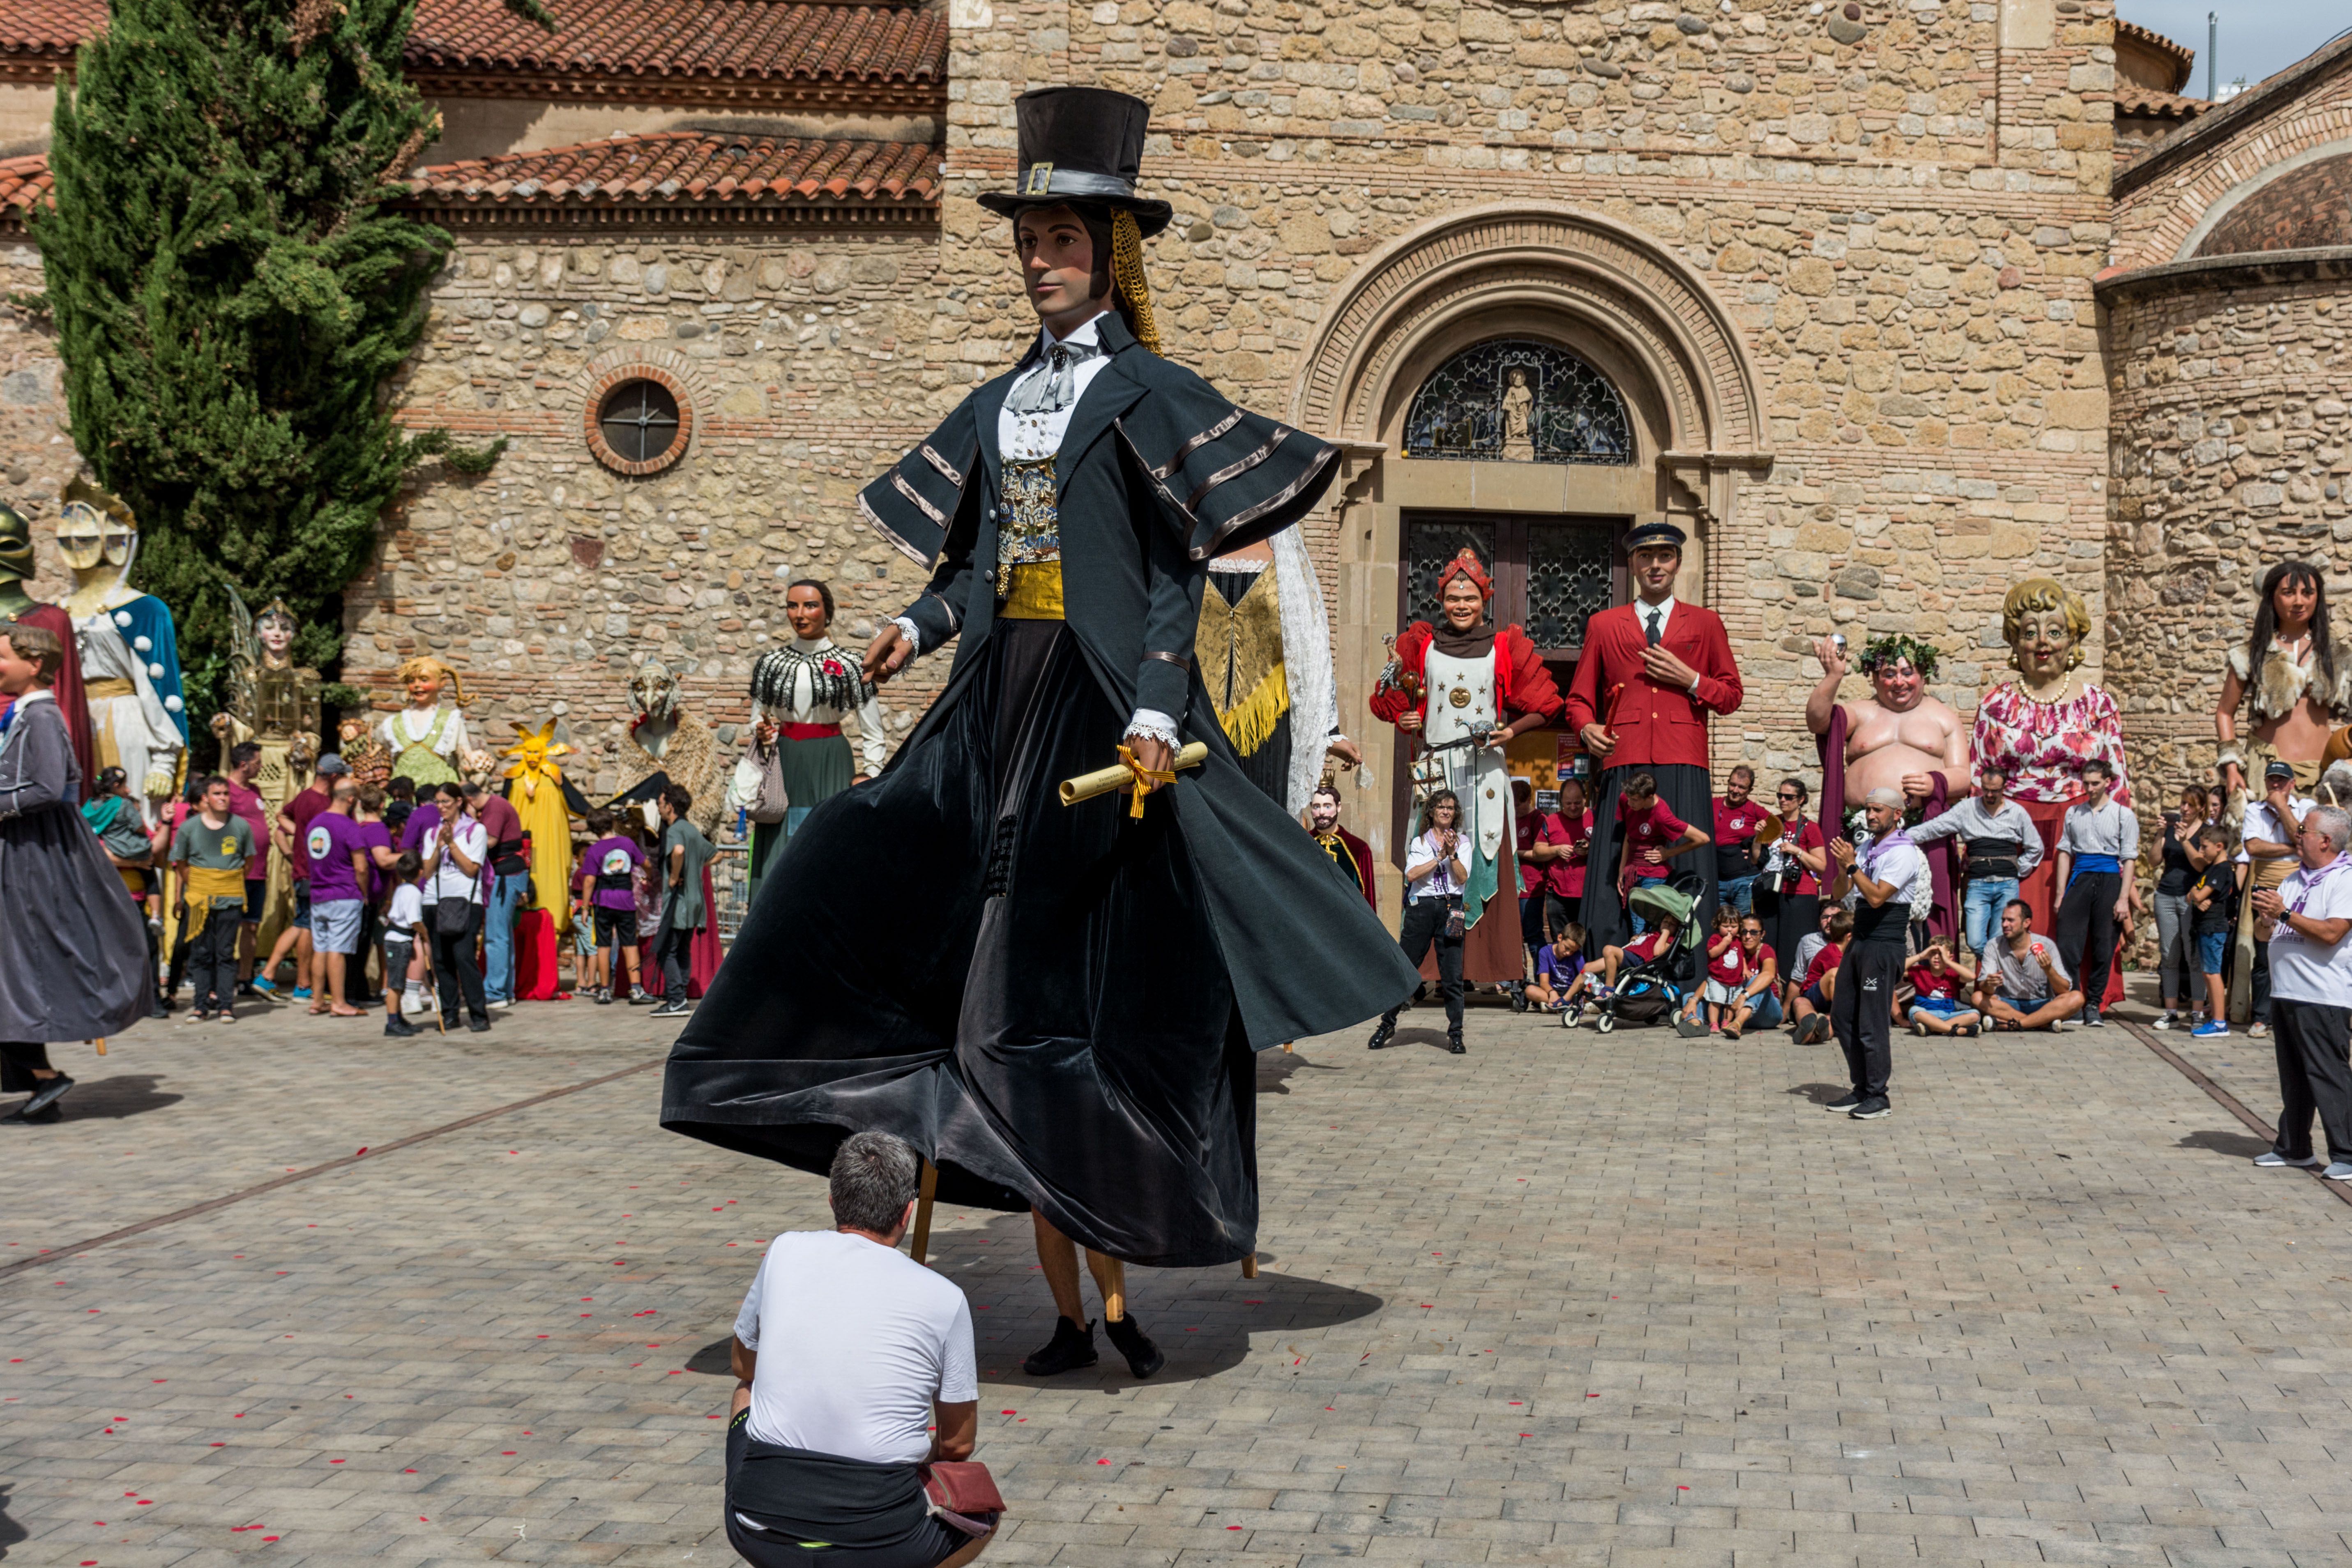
683	853
209	853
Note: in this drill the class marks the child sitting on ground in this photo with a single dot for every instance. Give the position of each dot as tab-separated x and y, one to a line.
1812	1009
1940	978
1726	971
1560	970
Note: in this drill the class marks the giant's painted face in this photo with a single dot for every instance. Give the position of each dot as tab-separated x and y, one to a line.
654	691
1898	685
276	634
2044	643
81	535
424	688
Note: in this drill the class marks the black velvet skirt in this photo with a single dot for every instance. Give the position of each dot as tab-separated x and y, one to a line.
1030	993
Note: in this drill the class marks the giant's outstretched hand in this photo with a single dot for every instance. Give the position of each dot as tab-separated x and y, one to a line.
888	654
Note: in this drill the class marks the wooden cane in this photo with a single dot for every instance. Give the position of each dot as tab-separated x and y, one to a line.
921	1242
1114	1290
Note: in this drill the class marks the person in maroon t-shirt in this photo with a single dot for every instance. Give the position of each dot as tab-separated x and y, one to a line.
1737	819
1543	842
1651	835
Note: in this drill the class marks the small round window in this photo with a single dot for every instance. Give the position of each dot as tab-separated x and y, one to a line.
638	420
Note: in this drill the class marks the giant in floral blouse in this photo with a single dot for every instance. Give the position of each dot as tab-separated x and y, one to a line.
2040	748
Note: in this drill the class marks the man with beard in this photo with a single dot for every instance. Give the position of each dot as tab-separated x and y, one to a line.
1902	739
1652	673
1351	854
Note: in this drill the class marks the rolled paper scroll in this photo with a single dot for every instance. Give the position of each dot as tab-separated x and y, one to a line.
1102	781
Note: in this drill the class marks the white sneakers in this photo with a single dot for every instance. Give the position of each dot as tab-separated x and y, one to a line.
2271	1158
2338	1171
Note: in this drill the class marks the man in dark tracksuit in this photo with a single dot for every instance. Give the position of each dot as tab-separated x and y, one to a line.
1885	877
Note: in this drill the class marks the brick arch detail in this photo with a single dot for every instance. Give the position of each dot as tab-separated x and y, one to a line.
1592	268
2201	195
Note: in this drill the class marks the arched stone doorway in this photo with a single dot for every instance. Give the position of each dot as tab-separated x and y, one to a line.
1551	277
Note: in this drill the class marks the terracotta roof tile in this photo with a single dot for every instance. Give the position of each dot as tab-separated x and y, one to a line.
671	40
2146	101
691	166
23	182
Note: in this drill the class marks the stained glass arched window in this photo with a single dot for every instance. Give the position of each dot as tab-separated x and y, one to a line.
1516	400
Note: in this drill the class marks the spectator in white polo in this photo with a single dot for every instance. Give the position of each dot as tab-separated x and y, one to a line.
867	1374
2311	994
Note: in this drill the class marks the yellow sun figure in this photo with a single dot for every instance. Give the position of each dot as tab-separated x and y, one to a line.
546	815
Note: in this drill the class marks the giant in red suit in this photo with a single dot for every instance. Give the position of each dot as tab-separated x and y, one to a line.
1447	684
1641	702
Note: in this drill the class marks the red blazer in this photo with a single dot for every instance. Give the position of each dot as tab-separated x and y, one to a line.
1654	724
1521	679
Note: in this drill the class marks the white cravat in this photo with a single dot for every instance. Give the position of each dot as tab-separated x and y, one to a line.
1027	436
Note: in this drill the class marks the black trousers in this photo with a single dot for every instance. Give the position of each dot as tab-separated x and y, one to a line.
2087	930
1689	793
674	952
2314	1042
457	968
1862	1014
18	1061
1789	918
1424	923
213	962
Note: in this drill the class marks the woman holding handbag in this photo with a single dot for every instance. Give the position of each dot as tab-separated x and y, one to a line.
797	755
452	887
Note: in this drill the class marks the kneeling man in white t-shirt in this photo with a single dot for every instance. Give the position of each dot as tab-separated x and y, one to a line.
2311	995
866	1353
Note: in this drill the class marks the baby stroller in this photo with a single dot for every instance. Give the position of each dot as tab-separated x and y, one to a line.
1649	989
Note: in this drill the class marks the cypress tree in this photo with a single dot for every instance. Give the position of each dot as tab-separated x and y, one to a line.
231	293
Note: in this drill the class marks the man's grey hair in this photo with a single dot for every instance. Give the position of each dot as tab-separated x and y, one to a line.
874	1178
2333	821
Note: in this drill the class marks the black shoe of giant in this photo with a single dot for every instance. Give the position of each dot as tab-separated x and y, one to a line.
1072	1347
51	1091
1453	1043
1843	1103
1127	1338
1382	1034
35	1118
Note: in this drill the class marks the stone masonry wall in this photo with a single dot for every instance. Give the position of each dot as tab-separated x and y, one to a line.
1901	213
2233	450
550	580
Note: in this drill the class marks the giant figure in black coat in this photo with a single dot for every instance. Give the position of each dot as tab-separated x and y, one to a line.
1056	1004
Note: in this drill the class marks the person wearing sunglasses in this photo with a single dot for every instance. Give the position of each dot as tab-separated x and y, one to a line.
1788	889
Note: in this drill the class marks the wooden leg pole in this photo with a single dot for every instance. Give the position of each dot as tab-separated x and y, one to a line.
100	1043
1111	1278
1249	1267
922	1244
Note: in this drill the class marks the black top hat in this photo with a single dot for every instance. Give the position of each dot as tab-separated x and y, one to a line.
1084	144
1651	535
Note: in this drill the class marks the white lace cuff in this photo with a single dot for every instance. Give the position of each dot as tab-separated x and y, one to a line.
1153	724
911	632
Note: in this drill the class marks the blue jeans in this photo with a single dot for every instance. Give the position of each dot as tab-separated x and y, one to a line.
499	913
1981	911
1738	893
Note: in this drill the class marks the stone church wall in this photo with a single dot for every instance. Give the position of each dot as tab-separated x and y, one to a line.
1901	215
2232	451
803	359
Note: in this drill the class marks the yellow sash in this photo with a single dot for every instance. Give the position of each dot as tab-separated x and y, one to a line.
1036	593
206	883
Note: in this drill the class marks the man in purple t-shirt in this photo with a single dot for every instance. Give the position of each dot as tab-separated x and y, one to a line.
335	851
292	827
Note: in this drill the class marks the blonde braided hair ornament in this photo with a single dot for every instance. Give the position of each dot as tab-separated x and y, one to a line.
1127	275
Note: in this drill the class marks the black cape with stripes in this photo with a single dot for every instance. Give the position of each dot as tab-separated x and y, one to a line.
1056	1004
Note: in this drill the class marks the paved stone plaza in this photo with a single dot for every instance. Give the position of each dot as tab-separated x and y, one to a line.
1569	1301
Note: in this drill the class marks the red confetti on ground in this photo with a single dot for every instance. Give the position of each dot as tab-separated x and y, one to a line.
220	1444
238	1417
505	1453
1004	1413
268	1538
408	1472
363	1149
1102	1461
334	1462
